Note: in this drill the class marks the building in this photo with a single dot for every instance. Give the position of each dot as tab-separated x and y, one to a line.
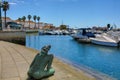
47	26
7	20
28	24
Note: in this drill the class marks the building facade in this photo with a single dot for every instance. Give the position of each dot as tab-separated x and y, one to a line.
28	24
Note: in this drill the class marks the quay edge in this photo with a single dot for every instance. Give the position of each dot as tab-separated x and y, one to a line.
13	36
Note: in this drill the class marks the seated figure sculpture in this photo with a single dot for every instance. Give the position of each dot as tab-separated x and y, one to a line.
41	65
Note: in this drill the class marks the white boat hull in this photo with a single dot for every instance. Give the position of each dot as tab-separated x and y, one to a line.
104	43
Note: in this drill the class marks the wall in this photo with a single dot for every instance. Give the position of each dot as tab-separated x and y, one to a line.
13	36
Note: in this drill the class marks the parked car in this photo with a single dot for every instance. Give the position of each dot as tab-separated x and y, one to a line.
14	25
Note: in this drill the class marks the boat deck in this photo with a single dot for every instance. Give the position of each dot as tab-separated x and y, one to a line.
104	38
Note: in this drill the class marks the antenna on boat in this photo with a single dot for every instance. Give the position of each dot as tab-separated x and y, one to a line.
62	22
115	26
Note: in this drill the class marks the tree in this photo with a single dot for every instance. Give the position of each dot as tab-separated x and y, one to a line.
35	17
38	19
5	7
63	27
23	19
20	19
29	17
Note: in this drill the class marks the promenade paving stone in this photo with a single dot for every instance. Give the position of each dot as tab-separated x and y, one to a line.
0	66
15	78
16	59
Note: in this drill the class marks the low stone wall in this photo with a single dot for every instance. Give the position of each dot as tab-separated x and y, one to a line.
13	36
32	31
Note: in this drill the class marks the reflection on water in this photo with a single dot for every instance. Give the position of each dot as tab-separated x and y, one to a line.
104	59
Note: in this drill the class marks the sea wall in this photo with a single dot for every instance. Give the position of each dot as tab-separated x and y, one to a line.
32	31
13	36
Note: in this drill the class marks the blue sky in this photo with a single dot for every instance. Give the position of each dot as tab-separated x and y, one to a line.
75	13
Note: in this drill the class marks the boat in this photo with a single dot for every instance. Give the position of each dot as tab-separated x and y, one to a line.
58	32
41	32
103	39
83	35
49	32
84	40
65	32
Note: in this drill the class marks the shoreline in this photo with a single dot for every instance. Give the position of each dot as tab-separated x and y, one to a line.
82	68
87	70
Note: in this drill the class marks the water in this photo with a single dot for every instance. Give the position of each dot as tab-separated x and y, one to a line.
100	58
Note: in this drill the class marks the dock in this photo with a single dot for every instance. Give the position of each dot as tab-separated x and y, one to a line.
15	61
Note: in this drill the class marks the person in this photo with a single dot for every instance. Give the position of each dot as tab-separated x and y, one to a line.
41	65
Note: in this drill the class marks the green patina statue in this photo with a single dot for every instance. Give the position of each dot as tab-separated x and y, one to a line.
41	65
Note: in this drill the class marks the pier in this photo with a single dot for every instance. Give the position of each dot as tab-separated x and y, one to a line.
15	61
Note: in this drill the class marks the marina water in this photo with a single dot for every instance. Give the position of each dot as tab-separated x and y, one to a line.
100	58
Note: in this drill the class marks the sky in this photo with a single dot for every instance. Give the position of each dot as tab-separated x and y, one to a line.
75	13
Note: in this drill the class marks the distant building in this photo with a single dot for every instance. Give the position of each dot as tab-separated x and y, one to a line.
48	26
26	24
40	25
7	20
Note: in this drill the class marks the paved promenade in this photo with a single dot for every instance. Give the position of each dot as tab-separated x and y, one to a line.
15	61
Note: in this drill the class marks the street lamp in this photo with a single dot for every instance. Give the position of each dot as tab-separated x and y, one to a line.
0	15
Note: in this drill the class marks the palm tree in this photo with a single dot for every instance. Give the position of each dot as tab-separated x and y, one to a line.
5	7
20	19
23	19
29	17
38	19
35	17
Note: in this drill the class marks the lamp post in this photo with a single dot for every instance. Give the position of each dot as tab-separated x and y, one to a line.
0	15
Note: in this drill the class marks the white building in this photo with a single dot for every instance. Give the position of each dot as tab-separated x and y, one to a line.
26	24
7	20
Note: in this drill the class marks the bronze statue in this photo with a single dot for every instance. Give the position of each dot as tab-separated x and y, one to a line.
41	65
